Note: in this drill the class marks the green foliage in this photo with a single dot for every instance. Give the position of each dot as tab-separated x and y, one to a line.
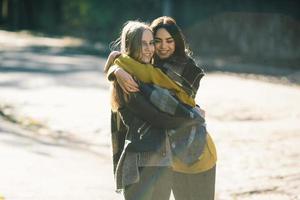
206	28
102	20
90	19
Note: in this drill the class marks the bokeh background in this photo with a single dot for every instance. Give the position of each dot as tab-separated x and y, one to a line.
54	98
255	31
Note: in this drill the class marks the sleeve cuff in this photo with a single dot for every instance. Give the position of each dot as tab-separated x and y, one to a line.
111	73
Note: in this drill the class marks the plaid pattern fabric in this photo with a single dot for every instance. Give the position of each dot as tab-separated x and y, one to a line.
149	74
188	141
164	100
184	72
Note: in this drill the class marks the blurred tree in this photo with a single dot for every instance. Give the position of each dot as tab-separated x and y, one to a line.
40	15
3	11
102	19
212	26
167	7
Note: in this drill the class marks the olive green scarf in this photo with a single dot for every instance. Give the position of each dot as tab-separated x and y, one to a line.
147	73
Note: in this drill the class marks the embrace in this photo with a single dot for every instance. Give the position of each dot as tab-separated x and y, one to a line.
159	137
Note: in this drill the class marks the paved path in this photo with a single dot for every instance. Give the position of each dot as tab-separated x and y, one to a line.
35	170
254	122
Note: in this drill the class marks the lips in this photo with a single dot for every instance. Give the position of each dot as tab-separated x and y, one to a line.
147	57
163	52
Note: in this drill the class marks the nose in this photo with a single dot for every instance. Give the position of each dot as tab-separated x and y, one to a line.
163	44
147	47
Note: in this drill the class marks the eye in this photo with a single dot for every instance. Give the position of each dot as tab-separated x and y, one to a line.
157	41
170	41
144	43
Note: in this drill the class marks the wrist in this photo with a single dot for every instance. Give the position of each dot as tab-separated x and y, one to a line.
111	72
117	70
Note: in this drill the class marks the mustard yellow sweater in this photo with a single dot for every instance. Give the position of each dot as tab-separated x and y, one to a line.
149	74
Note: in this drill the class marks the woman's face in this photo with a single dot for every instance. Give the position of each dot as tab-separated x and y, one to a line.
164	44
147	47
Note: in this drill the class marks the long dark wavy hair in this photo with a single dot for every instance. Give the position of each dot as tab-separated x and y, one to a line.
181	49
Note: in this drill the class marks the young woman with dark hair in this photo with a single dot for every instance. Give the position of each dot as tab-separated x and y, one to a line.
190	181
141	149
197	181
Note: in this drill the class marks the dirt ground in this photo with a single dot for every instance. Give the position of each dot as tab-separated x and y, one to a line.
254	120
255	124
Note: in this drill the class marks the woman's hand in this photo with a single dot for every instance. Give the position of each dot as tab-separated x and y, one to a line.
110	60
200	111
114	54
126	81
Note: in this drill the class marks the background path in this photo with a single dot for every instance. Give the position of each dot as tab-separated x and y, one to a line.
254	121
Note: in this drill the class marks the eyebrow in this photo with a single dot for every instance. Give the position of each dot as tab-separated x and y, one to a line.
169	38
144	41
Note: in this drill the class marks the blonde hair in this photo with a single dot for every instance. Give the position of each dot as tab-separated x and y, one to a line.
129	43
130	40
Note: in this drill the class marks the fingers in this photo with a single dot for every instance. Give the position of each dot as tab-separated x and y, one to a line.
203	113
128	85
124	89
130	88
132	84
115	54
200	111
133	89
126	81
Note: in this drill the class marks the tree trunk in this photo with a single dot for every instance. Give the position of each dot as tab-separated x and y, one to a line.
167	7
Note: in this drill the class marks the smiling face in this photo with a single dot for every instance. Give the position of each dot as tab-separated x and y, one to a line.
147	49
164	44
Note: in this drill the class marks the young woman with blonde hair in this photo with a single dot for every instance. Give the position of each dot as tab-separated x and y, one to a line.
190	180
